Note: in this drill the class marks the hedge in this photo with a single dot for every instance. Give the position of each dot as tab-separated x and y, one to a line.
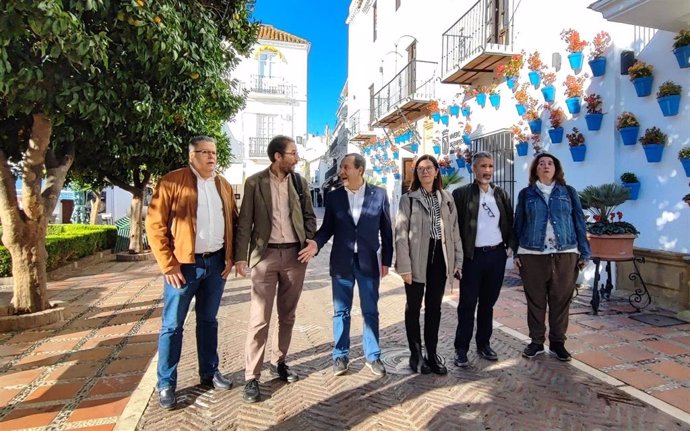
66	243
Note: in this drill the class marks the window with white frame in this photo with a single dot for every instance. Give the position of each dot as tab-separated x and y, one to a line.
265	126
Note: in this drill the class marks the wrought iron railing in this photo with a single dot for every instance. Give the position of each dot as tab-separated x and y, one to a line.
359	122
258	147
414	81
271	85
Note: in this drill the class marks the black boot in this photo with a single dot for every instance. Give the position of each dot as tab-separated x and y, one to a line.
437	364
418	361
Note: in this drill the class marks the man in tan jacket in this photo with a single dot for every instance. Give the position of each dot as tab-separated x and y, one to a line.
191	228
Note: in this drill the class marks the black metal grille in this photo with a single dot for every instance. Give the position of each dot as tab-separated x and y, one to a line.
500	146
258	147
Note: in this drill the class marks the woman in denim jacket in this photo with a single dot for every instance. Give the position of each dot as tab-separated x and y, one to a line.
552	246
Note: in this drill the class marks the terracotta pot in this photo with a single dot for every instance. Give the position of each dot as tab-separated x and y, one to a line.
612	246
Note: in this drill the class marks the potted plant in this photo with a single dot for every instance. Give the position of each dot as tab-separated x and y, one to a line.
684	157
480	97
445	165
575	46
576	141
653	142
520	136
521	99
668	98
609	237
630	182
548	90
454	110
535	66
494	97
465	110
594	111
533	116
574	87
459	159
511	70
433	110
642	75
536	143
466	134
597	61
556	118
681	48
628	127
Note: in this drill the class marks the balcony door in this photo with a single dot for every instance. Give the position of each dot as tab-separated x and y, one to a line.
267	69
497	21
411	69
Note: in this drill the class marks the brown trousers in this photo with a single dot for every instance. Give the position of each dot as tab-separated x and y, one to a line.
548	279
278	272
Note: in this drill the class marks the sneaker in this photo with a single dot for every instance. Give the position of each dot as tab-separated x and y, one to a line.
282	371
558	350
532	350
487	353
340	366
461	359
252	393
377	367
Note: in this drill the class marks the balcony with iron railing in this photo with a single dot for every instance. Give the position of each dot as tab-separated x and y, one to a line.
258	148
478	42
405	95
271	85
359	126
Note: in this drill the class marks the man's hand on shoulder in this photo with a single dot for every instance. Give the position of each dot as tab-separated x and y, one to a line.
175	278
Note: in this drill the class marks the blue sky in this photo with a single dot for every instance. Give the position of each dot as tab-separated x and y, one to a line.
321	22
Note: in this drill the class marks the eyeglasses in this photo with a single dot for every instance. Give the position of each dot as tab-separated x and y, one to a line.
426	170
488	210
292	153
207	153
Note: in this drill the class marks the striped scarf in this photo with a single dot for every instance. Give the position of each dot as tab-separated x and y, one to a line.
433	203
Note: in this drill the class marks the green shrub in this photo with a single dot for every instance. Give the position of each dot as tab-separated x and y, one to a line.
68	242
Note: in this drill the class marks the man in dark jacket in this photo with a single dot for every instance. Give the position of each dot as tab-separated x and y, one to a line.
485	216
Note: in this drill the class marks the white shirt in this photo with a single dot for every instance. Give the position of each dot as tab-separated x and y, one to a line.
210	223
488	230
356	199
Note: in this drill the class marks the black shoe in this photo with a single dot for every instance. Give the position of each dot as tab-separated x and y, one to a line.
461	359
167	399
217	381
532	350
558	349
437	365
377	367
487	353
418	362
252	393
282	371
340	366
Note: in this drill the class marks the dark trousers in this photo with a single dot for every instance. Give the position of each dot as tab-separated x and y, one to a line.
480	286
548	279
414	293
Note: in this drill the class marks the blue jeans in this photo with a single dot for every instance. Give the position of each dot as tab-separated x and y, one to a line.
203	281
343	290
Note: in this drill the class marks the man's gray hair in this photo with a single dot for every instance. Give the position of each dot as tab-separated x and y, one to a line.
358	160
481	155
195	140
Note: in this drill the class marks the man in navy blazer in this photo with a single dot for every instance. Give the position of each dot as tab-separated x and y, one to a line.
358	218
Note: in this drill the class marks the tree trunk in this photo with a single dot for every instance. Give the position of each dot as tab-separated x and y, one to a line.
95	207
136	227
29	259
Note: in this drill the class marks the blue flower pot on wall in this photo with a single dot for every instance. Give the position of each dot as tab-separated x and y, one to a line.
521	148
444	120
556	135
466	139
534	78
633	190
643	86
481	99
594	121
686	166
629	135
573	104
511	80
653	152
437	149
578	153
669	105
598	66
414	147
460	161
384	180
520	109
466	112
495	100
683	56
575	60
454	110
535	126
396	156
549	93
396	176
436	116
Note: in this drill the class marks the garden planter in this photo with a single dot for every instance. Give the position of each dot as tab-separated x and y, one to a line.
573	104
653	152
520	109
522	148
437	149
444	120
510	80
556	135
578	153
549	93
594	121
436	116
414	147
612	246
535	79
633	190
643	86
481	99
575	60
686	166
460	162
466	139
465	112
598	66
535	126
669	105
454	110
629	134
683	56
495	100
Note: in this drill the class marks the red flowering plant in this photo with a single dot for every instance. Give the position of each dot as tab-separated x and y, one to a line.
471	92
444	162
521	95
533	110
574	86
512	67
572	38
601	202
594	103
468	129
599	44
482	89
556	116
432	107
575	138
534	62
536	143
548	78
519	132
